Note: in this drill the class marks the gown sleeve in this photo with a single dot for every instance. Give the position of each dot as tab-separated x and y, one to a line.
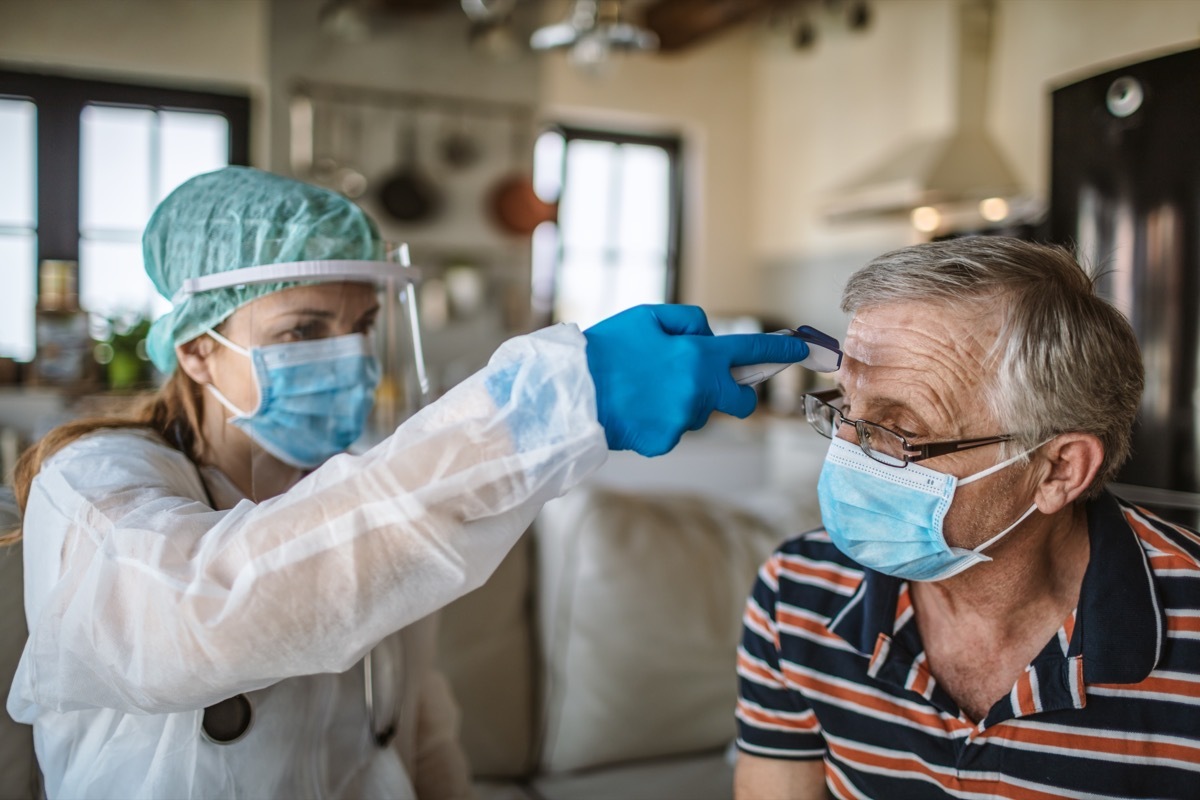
142	598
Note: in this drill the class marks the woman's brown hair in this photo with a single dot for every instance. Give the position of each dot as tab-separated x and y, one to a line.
173	412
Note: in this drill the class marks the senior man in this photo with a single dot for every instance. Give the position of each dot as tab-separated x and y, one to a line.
978	617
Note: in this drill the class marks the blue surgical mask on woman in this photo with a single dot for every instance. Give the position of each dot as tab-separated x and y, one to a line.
890	518
313	397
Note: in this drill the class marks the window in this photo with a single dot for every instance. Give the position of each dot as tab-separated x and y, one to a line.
616	244
18	234
92	159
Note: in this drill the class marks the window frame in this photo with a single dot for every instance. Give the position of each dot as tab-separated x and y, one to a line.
60	100
673	145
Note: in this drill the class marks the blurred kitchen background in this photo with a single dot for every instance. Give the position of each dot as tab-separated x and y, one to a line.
743	155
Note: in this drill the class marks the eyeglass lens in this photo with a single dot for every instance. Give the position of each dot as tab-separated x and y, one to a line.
876	441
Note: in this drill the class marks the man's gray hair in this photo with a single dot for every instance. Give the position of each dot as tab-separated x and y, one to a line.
1065	359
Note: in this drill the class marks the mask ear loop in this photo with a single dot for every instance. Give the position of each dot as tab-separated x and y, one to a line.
219	395
993	469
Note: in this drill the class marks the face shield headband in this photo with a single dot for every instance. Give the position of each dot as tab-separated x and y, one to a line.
403	385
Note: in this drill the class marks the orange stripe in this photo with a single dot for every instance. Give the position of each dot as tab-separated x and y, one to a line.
756	615
862	699
1179	623
1025	695
921	680
834	779
1097	745
1160	561
806	568
772	568
1183	688
809	725
746	665
910	764
1069	626
1158	541
785	617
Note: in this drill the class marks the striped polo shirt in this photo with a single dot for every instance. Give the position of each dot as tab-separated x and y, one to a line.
832	666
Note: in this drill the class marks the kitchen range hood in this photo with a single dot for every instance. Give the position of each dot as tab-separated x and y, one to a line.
962	167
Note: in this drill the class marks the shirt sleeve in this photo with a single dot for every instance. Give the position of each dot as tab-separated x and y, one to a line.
141	598
773	719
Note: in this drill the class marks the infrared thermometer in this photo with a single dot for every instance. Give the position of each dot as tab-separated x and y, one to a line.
824	355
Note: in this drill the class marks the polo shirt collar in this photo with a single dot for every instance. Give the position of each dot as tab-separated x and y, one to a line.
1120	624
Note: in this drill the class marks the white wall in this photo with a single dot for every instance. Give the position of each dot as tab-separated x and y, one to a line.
823	117
219	45
1045	44
704	96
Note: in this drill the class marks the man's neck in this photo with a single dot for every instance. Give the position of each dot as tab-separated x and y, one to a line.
1029	575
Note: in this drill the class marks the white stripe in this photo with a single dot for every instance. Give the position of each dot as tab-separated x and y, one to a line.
802	717
1073	680
1183	532
862	590
904	617
856	794
816	580
1012	700
1097	755
766	635
833	641
751	603
812	563
764	666
878	657
1183	634
1184	612
1177	573
1144	694
765	576
1173	675
1158	628
776	751
1035	689
1062	640
885	716
993	777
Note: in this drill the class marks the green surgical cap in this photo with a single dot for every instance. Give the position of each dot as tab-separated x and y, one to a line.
241	217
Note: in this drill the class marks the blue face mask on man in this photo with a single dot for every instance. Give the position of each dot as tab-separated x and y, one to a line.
890	518
313	396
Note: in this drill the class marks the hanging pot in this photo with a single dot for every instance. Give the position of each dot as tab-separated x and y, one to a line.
514	205
407	195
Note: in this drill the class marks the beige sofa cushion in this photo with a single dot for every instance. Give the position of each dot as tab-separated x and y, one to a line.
640	603
485	650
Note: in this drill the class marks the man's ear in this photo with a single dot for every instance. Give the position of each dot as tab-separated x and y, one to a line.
1072	460
193	358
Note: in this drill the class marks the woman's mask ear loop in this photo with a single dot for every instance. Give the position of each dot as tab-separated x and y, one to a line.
219	395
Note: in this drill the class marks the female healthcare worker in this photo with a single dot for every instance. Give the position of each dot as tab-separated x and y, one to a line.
202	579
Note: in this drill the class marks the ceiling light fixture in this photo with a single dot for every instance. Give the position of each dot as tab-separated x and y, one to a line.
592	32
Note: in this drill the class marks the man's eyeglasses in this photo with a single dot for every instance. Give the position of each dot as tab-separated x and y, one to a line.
824	413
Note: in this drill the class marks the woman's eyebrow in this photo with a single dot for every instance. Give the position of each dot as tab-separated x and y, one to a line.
320	313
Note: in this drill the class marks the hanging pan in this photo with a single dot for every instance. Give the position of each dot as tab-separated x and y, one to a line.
407	195
512	201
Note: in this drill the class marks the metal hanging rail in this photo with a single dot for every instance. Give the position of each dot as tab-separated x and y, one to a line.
343	94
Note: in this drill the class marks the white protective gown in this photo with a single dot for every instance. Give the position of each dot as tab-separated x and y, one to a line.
145	605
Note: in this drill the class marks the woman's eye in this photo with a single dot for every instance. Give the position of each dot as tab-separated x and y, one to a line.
304	332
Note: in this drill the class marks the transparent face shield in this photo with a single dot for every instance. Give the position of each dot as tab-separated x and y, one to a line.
333	364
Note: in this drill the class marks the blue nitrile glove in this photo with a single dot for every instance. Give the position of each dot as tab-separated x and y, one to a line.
660	372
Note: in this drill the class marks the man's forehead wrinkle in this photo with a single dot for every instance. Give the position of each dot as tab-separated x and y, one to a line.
931	357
